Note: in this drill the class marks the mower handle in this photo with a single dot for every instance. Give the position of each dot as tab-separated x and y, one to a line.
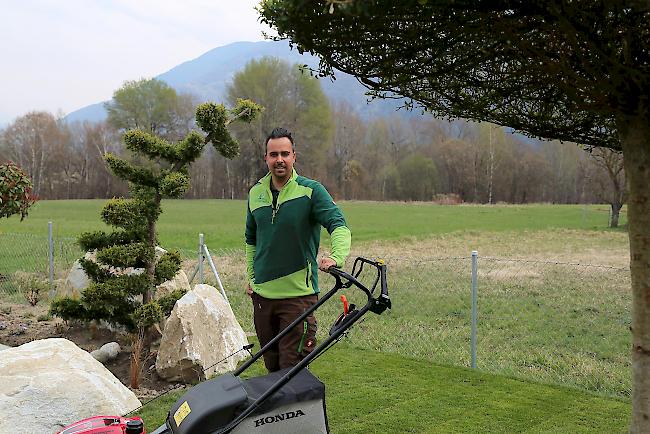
379	304
376	305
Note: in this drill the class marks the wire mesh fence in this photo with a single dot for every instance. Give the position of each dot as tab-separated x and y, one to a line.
551	322
431	314
556	322
545	321
25	259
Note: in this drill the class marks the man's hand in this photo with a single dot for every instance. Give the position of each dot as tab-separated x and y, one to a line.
249	290
325	263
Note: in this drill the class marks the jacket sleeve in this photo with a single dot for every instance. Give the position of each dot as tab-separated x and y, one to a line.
328	215
251	242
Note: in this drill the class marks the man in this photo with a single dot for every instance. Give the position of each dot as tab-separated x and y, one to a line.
283	225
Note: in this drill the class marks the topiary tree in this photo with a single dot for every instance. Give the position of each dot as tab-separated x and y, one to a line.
127	298
15	191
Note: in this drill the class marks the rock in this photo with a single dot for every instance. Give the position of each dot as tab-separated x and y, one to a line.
77	280
50	383
179	281
107	352
100	356
113	328
112	348
200	331
20	330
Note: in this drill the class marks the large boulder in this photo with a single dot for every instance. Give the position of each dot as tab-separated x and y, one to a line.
180	281
201	331
50	383
75	282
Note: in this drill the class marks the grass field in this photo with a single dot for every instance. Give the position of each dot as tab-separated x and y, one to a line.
546	313
552	323
371	392
222	221
23	245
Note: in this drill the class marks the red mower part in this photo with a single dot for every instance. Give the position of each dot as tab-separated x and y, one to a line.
344	299
106	425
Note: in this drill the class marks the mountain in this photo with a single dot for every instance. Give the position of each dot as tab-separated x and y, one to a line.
208	76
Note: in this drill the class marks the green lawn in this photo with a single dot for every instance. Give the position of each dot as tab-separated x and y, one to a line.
370	392
554	323
222	221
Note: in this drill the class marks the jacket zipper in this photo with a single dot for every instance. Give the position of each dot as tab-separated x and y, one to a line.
275	206
308	275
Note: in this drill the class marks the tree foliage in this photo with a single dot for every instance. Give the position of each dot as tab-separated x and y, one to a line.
357	164
484	60
117	295
575	71
417	177
153	106
15	191
291	99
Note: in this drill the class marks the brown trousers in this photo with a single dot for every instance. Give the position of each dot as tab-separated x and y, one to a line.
272	316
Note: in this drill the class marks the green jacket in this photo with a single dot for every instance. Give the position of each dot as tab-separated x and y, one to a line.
282	244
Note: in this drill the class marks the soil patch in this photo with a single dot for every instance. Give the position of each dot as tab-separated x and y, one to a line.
22	323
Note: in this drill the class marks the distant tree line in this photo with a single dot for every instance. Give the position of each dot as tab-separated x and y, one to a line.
412	158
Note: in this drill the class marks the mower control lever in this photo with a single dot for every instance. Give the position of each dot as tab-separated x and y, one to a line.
345	304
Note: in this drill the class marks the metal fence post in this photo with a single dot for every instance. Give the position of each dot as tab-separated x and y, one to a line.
200	258
474	304
214	270
50	256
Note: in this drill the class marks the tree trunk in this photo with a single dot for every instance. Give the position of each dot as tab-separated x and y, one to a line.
150	268
491	170
228	179
635	140
616	210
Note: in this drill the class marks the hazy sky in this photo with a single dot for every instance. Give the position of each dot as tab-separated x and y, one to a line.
66	54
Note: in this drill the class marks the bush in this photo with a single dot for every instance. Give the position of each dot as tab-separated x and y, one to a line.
31	286
68	309
447	199
148	314
15	191
44	317
168	301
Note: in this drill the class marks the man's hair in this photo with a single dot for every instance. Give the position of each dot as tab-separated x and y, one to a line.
278	133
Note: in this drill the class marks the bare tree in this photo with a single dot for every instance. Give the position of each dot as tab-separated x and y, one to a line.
349	136
610	180
29	141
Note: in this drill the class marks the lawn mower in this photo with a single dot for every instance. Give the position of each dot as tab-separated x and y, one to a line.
289	401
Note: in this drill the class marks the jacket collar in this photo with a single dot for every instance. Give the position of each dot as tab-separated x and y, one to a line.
266	180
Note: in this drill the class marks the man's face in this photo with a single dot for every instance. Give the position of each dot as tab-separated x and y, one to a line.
280	158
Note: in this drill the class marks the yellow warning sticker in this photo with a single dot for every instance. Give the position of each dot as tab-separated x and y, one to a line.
182	413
